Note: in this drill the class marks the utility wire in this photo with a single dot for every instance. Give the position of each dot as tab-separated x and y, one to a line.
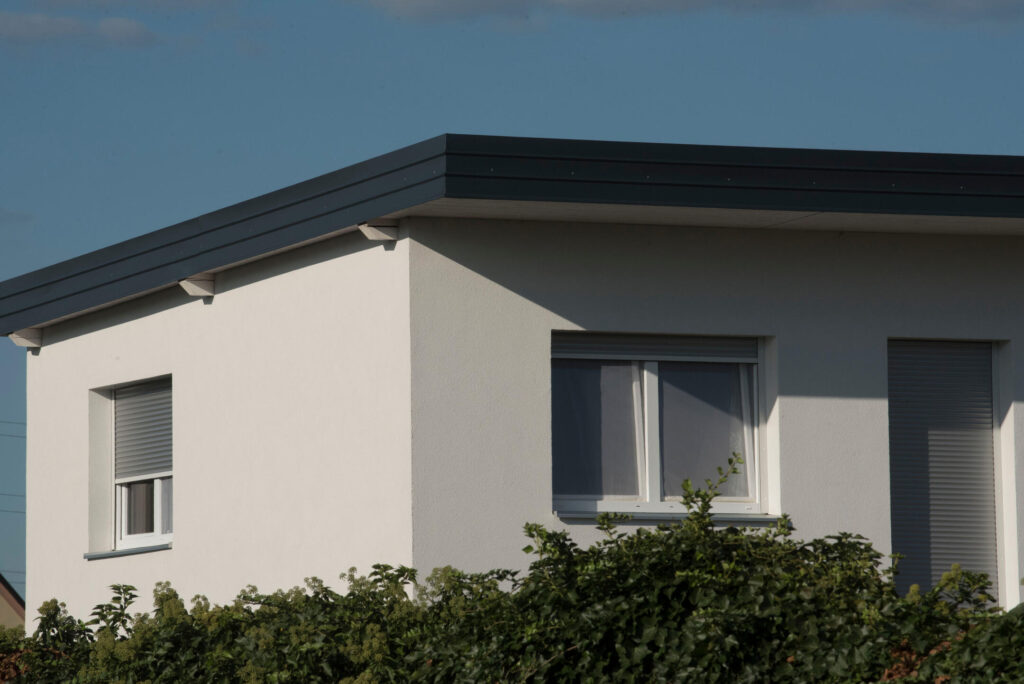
4	434
12	422
10	510
20	496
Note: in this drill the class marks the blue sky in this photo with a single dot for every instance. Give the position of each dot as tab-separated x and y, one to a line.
118	117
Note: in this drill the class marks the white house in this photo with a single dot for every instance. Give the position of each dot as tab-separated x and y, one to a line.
406	360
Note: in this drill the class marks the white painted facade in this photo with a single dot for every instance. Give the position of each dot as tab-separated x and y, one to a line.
485	299
291	431
354	402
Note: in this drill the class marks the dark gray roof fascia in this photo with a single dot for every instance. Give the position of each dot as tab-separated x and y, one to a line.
295	214
734	177
522	169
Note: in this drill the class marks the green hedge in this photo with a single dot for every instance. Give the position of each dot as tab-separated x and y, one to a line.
683	602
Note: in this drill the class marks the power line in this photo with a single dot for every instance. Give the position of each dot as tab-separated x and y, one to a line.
13	572
10	510
12	422
4	434
20	496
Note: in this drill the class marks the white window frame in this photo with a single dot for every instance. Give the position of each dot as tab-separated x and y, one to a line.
648	448
134	541
123	540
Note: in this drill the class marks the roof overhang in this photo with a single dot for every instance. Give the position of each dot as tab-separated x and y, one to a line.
712	217
542	179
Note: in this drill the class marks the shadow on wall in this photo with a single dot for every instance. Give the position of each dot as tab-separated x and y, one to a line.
831	301
854	289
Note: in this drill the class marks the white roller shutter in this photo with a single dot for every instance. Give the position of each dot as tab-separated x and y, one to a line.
142	429
942	466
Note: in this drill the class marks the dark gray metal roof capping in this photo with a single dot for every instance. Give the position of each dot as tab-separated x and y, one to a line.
524	169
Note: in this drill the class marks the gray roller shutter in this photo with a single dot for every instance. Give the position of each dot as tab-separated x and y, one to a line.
941	459
585	344
142	429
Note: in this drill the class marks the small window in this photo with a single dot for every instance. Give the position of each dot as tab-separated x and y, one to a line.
632	417
143	490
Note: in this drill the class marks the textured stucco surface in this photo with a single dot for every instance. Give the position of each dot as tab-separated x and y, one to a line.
291	427
345	403
486	296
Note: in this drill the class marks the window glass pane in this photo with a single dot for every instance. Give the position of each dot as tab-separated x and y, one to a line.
167	505
139	505
706	416
593	427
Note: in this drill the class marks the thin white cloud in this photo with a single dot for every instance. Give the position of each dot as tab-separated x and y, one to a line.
28	28
122	31
162	5
14	219
972	10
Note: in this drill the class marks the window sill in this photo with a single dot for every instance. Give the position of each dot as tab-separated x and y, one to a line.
741	519
126	552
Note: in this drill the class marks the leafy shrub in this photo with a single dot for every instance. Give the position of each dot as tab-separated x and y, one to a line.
684	602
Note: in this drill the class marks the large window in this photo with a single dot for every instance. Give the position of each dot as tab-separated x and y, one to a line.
143	492
634	416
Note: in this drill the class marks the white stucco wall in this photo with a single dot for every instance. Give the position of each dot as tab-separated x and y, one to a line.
321	387
291	427
486	296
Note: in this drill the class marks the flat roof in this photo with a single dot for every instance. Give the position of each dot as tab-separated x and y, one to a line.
539	178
